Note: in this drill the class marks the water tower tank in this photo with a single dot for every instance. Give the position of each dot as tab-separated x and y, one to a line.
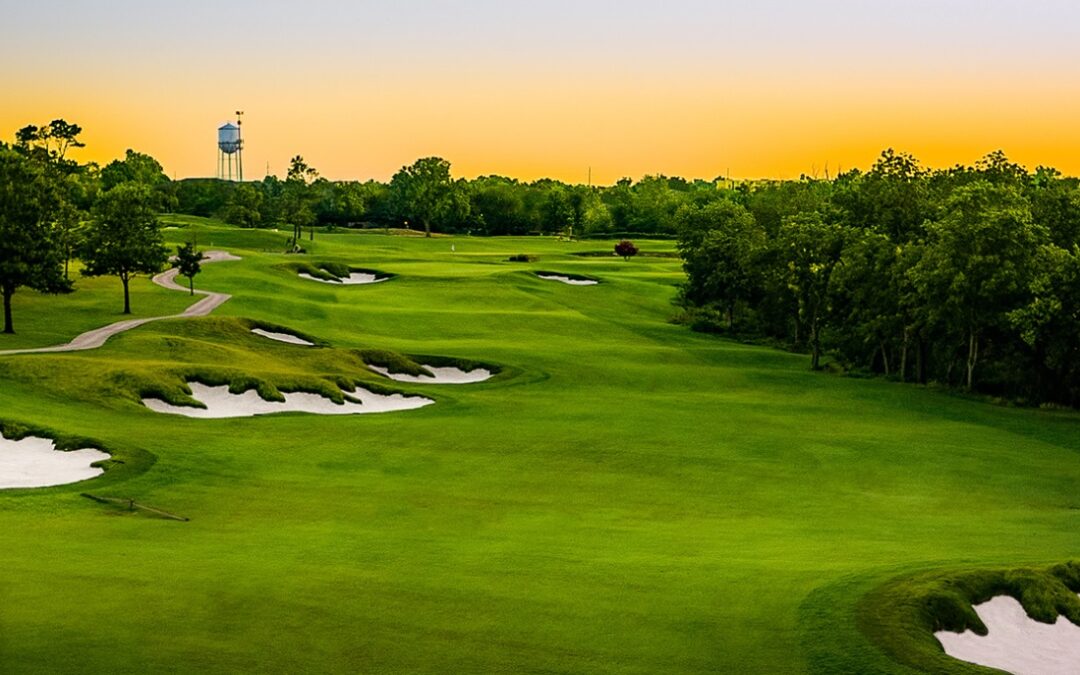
228	138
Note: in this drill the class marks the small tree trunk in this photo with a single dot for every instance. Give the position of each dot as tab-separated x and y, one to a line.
972	358
730	317
67	261
427	228
127	296
191	284
903	355
312	230
815	343
920	361
884	358
9	327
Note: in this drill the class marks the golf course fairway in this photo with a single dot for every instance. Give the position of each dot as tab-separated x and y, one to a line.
624	496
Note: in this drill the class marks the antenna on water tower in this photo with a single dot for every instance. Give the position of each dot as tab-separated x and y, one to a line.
231	150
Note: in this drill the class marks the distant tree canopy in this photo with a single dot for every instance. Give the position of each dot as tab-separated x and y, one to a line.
424	195
966	277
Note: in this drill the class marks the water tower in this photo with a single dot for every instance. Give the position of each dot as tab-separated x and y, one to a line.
231	150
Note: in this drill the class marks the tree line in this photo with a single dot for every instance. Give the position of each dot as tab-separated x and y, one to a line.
967	277
425	196
54	210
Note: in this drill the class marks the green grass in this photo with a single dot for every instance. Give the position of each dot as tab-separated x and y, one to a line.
46	320
626	496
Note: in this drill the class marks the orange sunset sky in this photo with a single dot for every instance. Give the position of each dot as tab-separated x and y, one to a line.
772	88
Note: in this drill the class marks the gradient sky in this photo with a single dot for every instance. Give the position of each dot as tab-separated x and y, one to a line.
761	88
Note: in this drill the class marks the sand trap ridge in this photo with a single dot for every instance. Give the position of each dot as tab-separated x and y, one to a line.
1016	643
353	279
221	404
568	280
35	462
444	375
282	337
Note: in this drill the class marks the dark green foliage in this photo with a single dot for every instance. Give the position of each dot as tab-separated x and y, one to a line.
188	262
965	277
424	193
29	252
522	257
126	238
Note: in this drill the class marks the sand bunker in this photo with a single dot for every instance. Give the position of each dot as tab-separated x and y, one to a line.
1017	643
282	337
35	462
444	375
568	280
353	279
220	403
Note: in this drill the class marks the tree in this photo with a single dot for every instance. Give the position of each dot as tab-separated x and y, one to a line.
297	207
626	249
978	263
28	252
1050	322
811	249
126	238
136	167
720	244
423	191
187	261
243	207
50	143
67	230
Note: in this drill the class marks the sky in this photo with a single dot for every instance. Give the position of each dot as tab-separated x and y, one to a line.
560	88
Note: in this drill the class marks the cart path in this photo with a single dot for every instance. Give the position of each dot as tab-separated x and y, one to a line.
97	337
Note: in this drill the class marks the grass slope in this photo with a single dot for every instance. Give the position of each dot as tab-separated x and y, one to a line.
625	497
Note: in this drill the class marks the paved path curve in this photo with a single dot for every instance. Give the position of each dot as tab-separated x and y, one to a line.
97	337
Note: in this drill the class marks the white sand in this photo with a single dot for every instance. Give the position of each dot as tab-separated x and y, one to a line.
353	279
445	375
35	462
1017	643
220	403
282	337
568	280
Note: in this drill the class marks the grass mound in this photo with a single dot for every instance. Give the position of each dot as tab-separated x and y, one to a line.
902	615
568	275
124	462
414	364
333	271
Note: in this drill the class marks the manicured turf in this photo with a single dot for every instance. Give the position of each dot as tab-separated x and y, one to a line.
624	497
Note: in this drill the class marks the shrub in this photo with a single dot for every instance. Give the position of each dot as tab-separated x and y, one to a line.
626	249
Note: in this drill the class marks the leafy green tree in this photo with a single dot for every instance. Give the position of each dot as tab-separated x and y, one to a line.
28	252
1050	323
188	261
810	248
244	207
125	239
424	191
720	244
892	198
297	198
978	263
136	167
67	231
498	206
